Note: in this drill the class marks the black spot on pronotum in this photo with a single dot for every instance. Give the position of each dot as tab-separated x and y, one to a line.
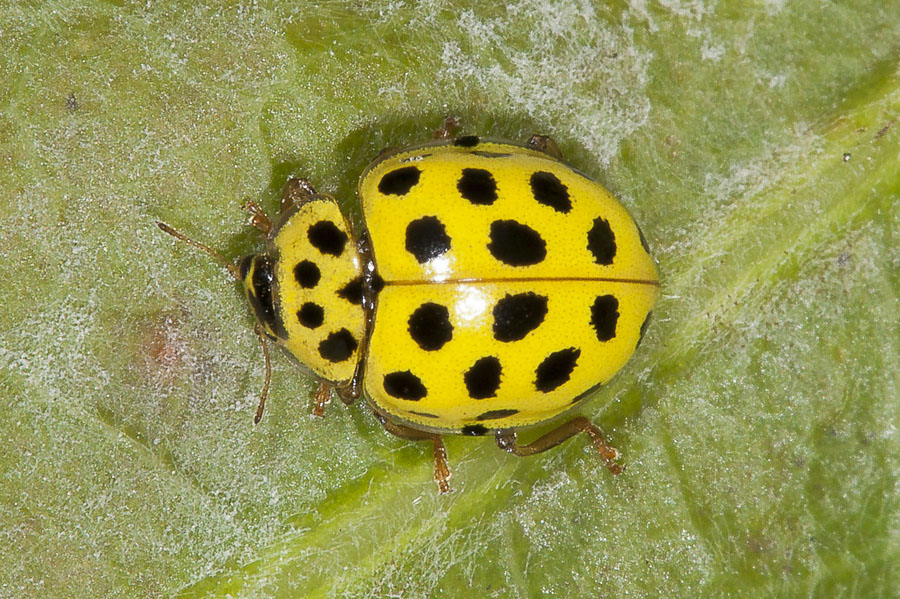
326	237
483	378
404	385
353	291
466	141
516	244
398	182
307	274
604	316
644	329
550	191
311	315
429	326
474	430
556	369
602	242
517	315
495	414
478	186
426	239
338	346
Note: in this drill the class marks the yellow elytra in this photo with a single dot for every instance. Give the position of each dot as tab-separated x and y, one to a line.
490	287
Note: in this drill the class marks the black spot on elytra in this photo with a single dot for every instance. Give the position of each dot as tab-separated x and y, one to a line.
550	191
602	242
429	326
478	186
424	414
353	291
326	237
426	238
466	141
404	385
338	346
307	274
483	378
398	182
556	369
311	315
604	316
474	430
495	414
644	329
517	315
516	244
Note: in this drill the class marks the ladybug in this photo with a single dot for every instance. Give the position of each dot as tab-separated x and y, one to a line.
490	287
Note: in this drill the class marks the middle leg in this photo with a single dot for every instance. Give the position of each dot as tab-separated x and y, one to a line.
441	468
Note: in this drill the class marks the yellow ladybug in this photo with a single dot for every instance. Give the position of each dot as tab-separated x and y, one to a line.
490	287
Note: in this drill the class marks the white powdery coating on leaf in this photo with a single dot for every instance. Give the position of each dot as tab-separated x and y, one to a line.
544	497
689	9
70	323
713	52
575	71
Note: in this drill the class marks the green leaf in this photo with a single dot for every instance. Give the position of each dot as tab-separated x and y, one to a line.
757	144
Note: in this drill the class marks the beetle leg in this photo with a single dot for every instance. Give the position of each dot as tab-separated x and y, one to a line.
265	390
350	392
258	218
321	398
451	124
506	440
296	192
441	468
545	144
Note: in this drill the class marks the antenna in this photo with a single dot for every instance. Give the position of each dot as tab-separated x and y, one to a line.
232	269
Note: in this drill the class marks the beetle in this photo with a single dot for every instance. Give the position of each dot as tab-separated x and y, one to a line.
490	287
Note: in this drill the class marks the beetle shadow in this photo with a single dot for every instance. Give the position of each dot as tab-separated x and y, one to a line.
361	145
397	130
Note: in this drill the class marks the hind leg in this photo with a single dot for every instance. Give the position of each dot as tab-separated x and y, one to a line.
506	440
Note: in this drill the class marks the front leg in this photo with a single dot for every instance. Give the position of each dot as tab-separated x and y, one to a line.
441	468
322	395
258	218
352	389
296	192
